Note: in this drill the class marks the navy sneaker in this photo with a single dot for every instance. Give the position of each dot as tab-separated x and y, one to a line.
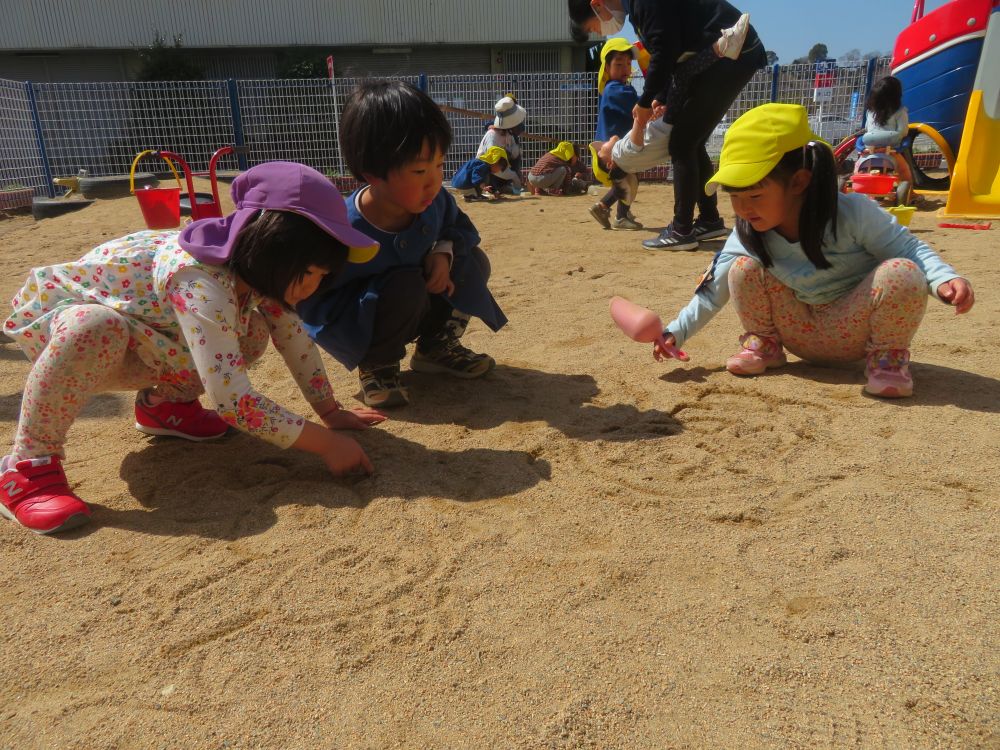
709	230
670	239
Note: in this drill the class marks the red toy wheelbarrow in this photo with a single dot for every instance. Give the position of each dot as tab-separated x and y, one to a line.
161	207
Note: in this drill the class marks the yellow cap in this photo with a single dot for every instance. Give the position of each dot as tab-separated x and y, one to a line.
755	143
595	165
493	155
614	44
564	151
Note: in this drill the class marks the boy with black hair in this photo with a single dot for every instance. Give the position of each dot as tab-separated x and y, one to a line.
430	276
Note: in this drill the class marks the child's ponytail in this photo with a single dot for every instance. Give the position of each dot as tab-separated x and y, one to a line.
819	205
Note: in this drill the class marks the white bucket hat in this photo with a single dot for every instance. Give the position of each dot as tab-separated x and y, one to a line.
509	113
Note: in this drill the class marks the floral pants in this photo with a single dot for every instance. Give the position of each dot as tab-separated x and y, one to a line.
89	352
882	312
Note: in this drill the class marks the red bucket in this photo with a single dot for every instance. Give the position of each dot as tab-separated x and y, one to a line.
873	184
161	207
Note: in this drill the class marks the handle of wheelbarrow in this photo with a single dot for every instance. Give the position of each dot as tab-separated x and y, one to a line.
131	174
224	151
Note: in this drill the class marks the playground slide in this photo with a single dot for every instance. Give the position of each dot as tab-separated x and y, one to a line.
975	184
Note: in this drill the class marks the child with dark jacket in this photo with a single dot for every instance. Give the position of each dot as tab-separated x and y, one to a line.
430	276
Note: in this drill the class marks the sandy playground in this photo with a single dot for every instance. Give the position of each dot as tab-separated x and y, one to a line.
587	549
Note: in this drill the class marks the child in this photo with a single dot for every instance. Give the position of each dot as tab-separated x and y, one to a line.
886	119
176	314
473	178
616	158
430	275
556	172
829	276
508	124
614	119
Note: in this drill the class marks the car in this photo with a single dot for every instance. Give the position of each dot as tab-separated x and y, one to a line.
833	128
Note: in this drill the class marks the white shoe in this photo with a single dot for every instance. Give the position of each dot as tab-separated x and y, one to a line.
731	42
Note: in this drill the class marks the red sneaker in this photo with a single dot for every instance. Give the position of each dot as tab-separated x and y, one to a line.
183	419
35	494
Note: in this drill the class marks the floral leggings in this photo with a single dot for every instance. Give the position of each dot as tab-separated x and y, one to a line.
882	312
88	352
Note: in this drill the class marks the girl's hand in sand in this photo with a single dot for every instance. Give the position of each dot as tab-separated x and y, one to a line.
437	269
959	294
666	348
341	454
353	419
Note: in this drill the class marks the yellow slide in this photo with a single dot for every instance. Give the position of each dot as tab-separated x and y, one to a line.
975	182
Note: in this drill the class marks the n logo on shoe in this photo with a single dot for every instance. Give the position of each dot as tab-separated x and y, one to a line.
173	420
12	489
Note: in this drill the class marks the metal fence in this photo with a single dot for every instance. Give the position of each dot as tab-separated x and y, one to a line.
56	129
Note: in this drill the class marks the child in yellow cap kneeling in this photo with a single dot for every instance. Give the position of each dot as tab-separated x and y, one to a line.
556	172
830	277
473	181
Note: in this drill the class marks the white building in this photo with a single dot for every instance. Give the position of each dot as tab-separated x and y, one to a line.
96	40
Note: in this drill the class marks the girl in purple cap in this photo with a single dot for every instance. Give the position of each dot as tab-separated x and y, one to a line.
177	314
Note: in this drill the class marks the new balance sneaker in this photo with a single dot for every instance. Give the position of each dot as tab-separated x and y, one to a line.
759	353
671	239
183	419
381	387
730	44
888	373
602	214
452	358
709	230
34	493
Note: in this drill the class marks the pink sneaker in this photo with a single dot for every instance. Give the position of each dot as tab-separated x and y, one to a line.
888	373
35	494
759	353
183	419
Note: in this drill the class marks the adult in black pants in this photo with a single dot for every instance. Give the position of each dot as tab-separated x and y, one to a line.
668	30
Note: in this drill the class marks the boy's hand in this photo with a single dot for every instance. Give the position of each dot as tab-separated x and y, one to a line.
437	270
959	294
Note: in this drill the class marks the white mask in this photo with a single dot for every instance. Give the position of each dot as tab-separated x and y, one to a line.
614	25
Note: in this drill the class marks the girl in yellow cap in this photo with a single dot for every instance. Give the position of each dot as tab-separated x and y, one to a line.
555	172
830	277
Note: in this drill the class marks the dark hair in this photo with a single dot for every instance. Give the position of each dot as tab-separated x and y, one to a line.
276	248
386	124
819	205
885	99
502	163
579	11
616	53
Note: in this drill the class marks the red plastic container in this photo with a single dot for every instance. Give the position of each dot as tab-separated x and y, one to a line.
161	207
873	184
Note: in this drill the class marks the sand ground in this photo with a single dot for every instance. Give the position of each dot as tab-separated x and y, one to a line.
587	549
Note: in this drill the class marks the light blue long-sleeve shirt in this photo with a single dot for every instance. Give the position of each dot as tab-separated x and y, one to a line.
866	236
889	133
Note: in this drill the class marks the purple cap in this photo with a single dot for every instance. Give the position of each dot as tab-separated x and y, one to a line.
279	186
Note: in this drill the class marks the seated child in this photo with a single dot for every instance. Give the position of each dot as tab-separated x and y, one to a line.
505	132
827	275
472	179
886	119
430	275
617	158
556	172
177	314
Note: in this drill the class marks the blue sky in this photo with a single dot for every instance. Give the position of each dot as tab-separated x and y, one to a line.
791	27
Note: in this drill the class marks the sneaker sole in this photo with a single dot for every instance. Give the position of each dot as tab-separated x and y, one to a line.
751	373
679	246
433	368
393	398
164	432
74	521
890	392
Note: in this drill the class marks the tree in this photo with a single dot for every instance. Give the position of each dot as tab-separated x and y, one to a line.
851	56
818	52
772	57
164	62
302	65
869	55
